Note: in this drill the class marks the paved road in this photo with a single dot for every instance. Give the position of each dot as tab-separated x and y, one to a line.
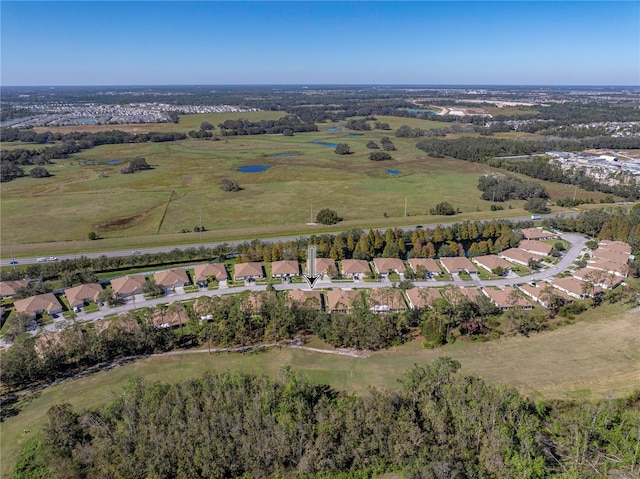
578	245
166	249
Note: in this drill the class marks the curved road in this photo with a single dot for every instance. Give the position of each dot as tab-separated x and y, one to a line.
578	244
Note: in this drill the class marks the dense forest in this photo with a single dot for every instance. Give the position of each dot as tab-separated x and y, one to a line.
439	424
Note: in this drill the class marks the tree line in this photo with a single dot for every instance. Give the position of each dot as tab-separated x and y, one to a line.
288	124
12	160
438	424
488	150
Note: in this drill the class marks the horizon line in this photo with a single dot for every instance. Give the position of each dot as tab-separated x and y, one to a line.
404	85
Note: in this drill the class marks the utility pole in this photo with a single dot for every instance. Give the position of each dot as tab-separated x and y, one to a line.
405	206
311	217
13	262
575	190
200	226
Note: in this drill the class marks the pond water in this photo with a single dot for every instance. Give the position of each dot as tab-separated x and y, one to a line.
253	168
283	155
355	134
334	128
330	145
393	172
430	112
95	162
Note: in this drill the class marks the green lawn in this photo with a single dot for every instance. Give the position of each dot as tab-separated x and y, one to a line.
552	364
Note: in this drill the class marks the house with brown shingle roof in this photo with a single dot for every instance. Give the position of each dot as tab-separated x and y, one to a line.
9	288
203	272
507	298
35	305
458	264
429	265
422	297
541	293
618	246
252	302
535	247
455	294
325	266
84	293
610	255
340	299
618	269
171	278
491	262
355	268
384	266
172	317
518	256
311	299
604	279
128	285
386	300
575	288
244	271
285	268
536	234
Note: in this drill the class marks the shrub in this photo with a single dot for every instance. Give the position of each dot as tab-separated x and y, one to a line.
229	185
328	217
342	149
445	208
39	172
379	156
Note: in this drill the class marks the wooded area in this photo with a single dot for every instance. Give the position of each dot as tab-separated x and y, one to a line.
439	425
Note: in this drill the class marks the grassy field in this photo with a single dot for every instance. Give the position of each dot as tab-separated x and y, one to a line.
128	209
596	357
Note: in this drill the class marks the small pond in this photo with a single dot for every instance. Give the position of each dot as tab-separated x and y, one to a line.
283	155
393	172
430	112
355	134
330	145
253	168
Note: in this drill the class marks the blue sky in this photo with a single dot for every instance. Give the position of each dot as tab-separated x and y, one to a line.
476	42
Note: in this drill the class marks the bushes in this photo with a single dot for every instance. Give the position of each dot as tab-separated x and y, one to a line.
445	208
328	217
379	156
229	185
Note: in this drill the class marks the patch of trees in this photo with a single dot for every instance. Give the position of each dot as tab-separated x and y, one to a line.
537	206
406	131
505	188
342	149
291	123
137	164
39	172
327	216
358	125
438	424
379	156
229	185
200	134
206	126
372	145
387	144
379	125
444	208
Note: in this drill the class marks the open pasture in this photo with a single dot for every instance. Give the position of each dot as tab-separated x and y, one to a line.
88	192
552	364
